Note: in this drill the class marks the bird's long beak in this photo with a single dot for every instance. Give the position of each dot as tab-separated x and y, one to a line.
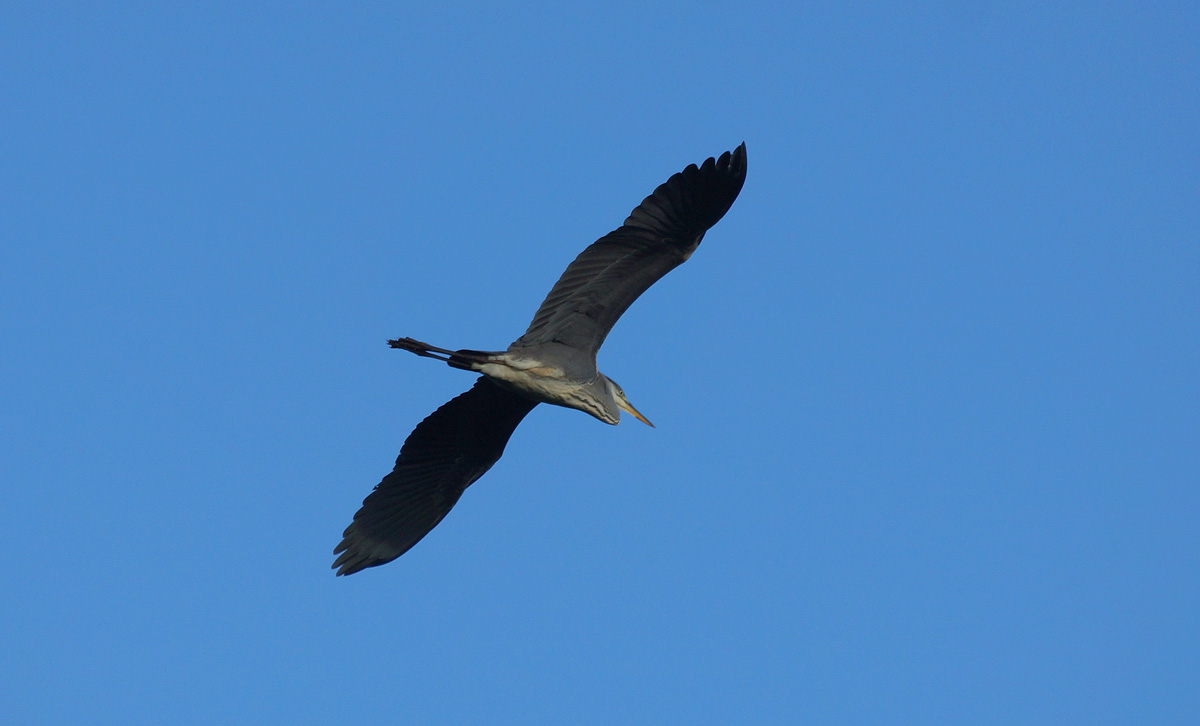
624	404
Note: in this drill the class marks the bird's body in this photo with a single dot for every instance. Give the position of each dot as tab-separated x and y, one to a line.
547	373
553	362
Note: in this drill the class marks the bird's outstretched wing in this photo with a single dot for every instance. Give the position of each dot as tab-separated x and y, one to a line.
444	455
658	236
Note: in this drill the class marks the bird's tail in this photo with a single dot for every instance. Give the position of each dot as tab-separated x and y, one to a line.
470	360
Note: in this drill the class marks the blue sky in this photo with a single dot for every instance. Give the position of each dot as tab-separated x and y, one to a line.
927	400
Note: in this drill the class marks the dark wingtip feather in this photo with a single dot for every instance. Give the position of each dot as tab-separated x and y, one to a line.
695	199
358	551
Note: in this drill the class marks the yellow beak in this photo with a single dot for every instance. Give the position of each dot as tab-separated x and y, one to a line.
627	407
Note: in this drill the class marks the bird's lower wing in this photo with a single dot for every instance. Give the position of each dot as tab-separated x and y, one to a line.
444	455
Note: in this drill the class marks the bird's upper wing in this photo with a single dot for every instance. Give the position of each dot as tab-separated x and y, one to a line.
613	271
444	455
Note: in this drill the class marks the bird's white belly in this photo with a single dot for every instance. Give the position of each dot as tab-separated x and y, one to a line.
540	383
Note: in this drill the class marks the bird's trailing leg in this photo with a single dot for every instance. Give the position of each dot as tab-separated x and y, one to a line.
424	350
467	360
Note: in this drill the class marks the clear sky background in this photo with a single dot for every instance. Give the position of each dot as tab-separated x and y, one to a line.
928	401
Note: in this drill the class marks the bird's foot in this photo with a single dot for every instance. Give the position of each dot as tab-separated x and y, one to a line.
422	349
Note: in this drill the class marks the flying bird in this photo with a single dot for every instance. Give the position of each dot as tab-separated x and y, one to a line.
553	362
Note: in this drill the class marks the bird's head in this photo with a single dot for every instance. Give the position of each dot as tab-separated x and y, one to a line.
623	403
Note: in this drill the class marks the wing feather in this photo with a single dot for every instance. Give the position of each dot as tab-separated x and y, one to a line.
445	453
659	235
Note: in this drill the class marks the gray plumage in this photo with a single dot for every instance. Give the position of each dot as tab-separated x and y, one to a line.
554	361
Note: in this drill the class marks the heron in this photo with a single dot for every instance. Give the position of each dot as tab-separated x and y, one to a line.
553	362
